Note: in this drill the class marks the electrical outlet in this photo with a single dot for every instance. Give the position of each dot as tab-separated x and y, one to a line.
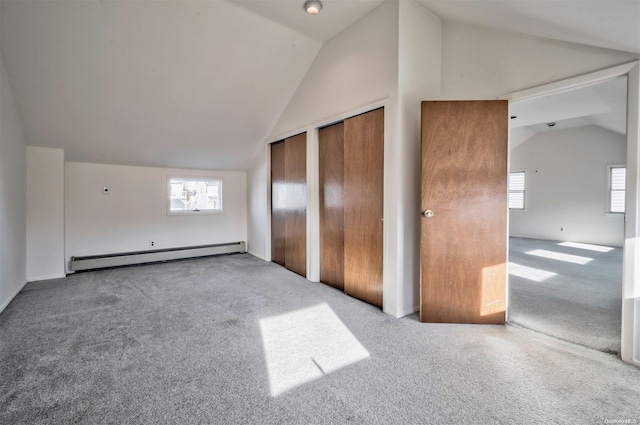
106	190
152	243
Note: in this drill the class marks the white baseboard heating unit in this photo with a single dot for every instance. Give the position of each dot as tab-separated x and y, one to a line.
154	256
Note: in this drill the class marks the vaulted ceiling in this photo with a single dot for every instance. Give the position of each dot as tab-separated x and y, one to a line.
612	24
200	84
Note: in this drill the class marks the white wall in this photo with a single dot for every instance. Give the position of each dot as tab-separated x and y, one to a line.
45	213
356	70
256	201
419	78
135	211
479	63
566	178
13	201
357	67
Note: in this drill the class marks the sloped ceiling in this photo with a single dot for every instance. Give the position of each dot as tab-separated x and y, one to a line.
612	24
172	84
603	105
200	84
335	17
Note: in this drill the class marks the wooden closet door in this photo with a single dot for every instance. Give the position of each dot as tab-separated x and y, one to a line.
331	146
363	183
295	172
278	203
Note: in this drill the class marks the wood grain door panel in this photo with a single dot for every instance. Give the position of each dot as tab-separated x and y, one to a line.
296	211
331	149
363	206
278	203
464	183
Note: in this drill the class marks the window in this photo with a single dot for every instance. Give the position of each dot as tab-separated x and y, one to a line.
516	190
617	179
188	195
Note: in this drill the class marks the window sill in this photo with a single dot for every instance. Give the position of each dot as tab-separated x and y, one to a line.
196	213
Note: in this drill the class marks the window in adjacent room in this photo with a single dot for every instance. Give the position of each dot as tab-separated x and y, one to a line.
194	195
617	179
516	190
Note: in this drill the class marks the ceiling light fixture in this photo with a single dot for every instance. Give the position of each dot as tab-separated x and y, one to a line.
313	7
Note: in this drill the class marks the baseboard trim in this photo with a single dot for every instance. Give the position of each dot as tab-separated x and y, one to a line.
12	296
46	277
129	258
257	255
403	313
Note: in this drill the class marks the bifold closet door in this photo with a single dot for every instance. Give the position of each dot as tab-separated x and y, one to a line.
278	203
331	148
295	174
363	206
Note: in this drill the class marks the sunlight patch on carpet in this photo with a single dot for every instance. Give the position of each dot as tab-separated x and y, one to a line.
530	273
568	258
304	345
589	247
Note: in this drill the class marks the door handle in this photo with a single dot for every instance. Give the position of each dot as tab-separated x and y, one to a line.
428	213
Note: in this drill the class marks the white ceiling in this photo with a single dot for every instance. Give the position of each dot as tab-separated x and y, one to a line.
200	84
187	84
612	24
336	15
603	105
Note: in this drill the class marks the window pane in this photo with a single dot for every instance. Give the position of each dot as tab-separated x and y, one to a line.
516	190
516	181
617	201
188	194
516	200
618	176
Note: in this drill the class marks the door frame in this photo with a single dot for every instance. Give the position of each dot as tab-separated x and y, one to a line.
630	328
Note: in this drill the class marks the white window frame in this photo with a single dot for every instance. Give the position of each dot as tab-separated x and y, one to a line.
171	178
524	191
610	189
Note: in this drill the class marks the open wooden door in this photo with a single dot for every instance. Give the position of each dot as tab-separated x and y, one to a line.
463	248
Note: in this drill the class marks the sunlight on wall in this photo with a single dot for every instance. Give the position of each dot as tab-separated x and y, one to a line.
537	275
303	345
598	248
576	259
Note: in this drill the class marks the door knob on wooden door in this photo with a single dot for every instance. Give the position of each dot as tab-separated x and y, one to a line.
428	213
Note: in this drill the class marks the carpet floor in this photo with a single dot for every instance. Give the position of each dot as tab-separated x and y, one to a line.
236	340
572	292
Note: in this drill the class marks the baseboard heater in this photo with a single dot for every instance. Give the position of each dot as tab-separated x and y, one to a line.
154	256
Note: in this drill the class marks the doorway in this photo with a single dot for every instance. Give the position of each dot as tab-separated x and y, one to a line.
566	213
630	299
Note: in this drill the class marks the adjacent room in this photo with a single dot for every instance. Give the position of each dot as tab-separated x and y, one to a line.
567	202
335	211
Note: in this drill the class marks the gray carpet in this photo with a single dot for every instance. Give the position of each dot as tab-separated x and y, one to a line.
581	303
235	340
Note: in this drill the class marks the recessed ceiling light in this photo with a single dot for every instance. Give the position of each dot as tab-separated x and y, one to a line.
313	7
